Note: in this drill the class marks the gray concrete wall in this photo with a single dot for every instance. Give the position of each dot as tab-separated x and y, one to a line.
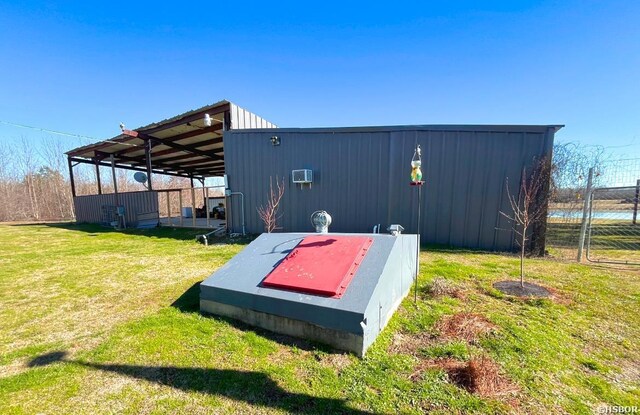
361	177
394	283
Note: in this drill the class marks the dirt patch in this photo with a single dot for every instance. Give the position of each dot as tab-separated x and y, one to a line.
559	297
411	344
338	361
629	373
522	290
480	375
465	326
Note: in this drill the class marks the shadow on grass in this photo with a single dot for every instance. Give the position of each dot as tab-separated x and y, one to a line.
182	234
450	249
189	302
255	388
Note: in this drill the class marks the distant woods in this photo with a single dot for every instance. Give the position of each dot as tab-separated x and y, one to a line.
34	182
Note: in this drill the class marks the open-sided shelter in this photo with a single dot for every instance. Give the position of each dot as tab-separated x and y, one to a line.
189	145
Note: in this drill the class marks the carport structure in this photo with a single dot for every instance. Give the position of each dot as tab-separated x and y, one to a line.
189	145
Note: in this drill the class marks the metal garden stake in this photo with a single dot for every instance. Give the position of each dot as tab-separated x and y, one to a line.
416	180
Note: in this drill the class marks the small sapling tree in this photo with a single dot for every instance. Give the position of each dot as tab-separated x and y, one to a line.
528	207
269	212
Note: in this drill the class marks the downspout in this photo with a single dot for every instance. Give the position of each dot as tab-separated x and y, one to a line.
229	193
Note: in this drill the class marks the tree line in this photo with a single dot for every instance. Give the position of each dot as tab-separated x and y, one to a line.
35	186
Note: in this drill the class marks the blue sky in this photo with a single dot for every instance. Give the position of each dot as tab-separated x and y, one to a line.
83	67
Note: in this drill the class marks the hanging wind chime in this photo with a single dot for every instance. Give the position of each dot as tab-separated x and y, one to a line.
416	180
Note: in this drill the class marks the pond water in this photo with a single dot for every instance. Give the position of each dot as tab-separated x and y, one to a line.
599	214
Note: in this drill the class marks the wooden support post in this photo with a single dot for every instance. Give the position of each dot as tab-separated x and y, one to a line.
168	195
115	178
193	205
206	203
71	179
180	201
98	178
193	201
147	155
635	202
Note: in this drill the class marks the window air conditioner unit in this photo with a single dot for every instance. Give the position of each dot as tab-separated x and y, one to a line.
302	176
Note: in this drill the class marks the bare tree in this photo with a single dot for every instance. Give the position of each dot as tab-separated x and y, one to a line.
57	190
529	206
570	168
269	213
5	186
27	164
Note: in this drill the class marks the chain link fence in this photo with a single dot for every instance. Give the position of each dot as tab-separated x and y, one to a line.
612	230
595	219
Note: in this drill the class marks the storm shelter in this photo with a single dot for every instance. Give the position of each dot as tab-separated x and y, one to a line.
339	289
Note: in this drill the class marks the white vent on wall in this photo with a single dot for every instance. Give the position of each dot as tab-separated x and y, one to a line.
302	176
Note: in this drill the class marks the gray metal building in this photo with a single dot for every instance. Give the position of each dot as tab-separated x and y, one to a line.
361	177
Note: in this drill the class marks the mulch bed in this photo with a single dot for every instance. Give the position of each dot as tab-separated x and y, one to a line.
480	375
525	290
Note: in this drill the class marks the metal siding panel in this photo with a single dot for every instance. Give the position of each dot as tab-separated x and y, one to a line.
491	190
240	118
456	228
232	116
247	119
235	117
239	121
503	237
361	178
89	208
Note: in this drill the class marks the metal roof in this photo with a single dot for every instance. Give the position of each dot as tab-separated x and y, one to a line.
530	128
180	146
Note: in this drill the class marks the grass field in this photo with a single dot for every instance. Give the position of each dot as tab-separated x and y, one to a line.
97	321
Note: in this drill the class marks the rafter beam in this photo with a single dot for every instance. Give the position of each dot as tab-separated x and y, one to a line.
182	147
203	169
189	134
124	166
200	162
199	145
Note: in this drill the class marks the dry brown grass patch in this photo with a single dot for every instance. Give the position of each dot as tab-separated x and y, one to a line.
411	344
337	361
559	297
480	375
465	326
440	287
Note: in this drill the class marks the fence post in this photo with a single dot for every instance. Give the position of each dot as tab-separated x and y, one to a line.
585	214
635	201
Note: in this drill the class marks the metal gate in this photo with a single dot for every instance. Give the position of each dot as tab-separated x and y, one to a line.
613	227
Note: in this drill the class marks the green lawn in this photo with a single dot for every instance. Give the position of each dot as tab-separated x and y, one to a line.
97	321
